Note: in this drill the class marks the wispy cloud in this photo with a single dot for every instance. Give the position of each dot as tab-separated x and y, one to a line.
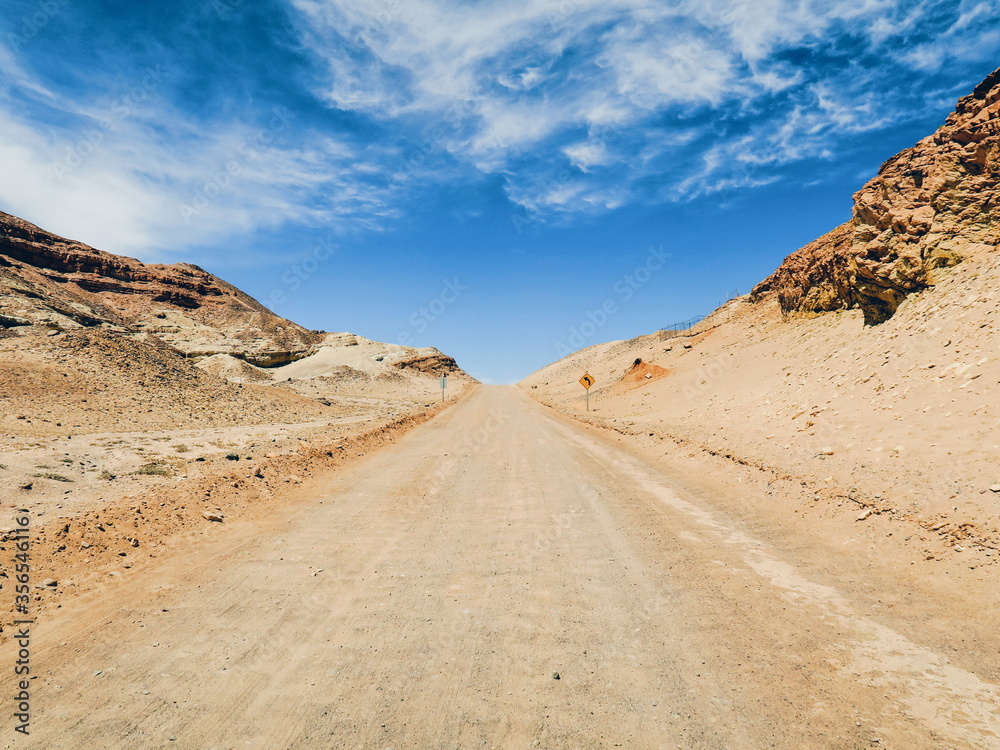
572	106
973	35
780	80
124	168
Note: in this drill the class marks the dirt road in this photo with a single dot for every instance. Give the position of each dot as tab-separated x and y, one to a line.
498	578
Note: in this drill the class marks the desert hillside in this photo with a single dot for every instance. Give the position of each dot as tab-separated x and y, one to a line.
929	208
184	345
119	379
46	280
863	374
773	526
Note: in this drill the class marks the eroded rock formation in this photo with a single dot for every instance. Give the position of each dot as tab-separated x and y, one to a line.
928	208
49	280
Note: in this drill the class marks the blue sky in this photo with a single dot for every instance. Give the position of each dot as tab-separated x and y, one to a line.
483	177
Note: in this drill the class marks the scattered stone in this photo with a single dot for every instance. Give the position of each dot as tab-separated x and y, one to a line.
51	582
865	515
27	485
232	456
555	676
209	515
995	488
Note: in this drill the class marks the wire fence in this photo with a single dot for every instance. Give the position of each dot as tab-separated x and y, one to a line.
691	326
676	329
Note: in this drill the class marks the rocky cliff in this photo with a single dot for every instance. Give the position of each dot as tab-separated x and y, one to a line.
50	281
929	208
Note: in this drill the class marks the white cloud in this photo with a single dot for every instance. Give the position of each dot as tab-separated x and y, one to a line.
806	132
525	80
653	73
757	28
531	75
149	183
974	35
587	154
581	105
109	208
969	12
564	196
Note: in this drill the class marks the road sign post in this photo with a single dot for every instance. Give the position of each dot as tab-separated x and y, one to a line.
587	381
444	384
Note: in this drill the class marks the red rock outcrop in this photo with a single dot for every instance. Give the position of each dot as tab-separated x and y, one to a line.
433	363
49	280
642	373
928	208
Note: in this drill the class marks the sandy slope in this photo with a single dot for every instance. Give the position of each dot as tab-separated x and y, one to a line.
99	530
87	416
117	444
427	597
901	416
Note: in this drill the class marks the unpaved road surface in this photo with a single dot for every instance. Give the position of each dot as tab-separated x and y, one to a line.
429	596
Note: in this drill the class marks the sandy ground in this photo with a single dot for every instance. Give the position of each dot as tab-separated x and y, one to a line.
903	417
73	473
87	418
109	524
502	577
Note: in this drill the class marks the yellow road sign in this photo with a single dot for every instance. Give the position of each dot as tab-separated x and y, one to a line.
587	381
